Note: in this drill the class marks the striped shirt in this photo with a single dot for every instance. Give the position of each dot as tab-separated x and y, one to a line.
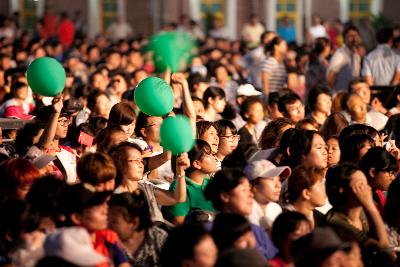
382	64
276	72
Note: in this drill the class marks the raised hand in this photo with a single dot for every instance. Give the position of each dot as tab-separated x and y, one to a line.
57	103
182	163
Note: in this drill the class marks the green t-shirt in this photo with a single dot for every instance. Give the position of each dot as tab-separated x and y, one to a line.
195	199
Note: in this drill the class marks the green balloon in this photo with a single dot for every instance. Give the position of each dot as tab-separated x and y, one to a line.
176	134
46	76
154	97
171	49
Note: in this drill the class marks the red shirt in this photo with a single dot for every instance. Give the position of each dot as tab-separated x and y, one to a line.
66	32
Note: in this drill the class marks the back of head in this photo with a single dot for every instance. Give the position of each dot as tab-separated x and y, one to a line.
241	258
384	35
96	168
122	113
285	224
350	147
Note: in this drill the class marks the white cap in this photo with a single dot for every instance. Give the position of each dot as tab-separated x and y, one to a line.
247	90
265	169
73	244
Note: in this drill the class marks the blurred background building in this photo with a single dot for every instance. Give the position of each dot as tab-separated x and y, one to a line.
149	16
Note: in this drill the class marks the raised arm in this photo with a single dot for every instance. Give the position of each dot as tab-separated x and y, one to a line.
168	198
50	131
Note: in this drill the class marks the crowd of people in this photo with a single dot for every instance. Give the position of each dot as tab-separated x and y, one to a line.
295	161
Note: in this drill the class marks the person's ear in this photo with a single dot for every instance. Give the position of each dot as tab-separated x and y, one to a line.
372	172
210	100
196	164
143	132
306	194
134	224
75	218
224	197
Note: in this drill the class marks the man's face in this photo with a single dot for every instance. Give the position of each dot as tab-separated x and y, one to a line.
357	108
363	90
352	39
295	111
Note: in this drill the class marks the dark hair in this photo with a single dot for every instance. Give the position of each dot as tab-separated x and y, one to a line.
96	168
350	147
319	46
333	125
181	243
212	92
299	146
354	82
273	98
122	113
16	86
224	181
271	46
227	228
98	123
247	104
391	210
194	79
313	95
45	194
349	28
302	123
203	126
272	133
352	130
223	125
131	206
103	138
25	136
338	178
378	158
285	224
384	35
141	122
48	261
287	99
302	178
92	99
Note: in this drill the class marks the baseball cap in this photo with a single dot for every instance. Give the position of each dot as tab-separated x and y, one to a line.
265	168
38	157
247	90
74	245
80	196
323	241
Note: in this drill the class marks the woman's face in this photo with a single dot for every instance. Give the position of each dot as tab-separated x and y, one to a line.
208	164
282	47
199	108
358	178
333	151
119	224
95	218
255	114
318	193
134	167
22	93
129	129
119	84
103	106
318	156
364	149
240	199
268	188
383	180
324	104
227	143
211	137
204	254
218	103
62	127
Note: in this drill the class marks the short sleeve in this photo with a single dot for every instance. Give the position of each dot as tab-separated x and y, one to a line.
337	62
366	70
180	209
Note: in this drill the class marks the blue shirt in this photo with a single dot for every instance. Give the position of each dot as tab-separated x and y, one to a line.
287	33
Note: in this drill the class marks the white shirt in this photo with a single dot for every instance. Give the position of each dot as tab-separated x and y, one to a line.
266	217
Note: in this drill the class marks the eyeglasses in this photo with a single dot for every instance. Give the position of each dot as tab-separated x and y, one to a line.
116	81
137	161
295	108
231	138
64	122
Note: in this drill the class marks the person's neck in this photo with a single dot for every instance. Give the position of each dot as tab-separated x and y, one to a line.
220	156
261	202
197	177
278	57
156	145
222	83
361	121
250	126
211	112
129	184
133	242
306	209
319	116
354	216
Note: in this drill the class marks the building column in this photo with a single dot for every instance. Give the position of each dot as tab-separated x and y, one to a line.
376	7
308	12
271	15
93	17
195	10
344	10
40	8
299	22
231	19
121	9
14	5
